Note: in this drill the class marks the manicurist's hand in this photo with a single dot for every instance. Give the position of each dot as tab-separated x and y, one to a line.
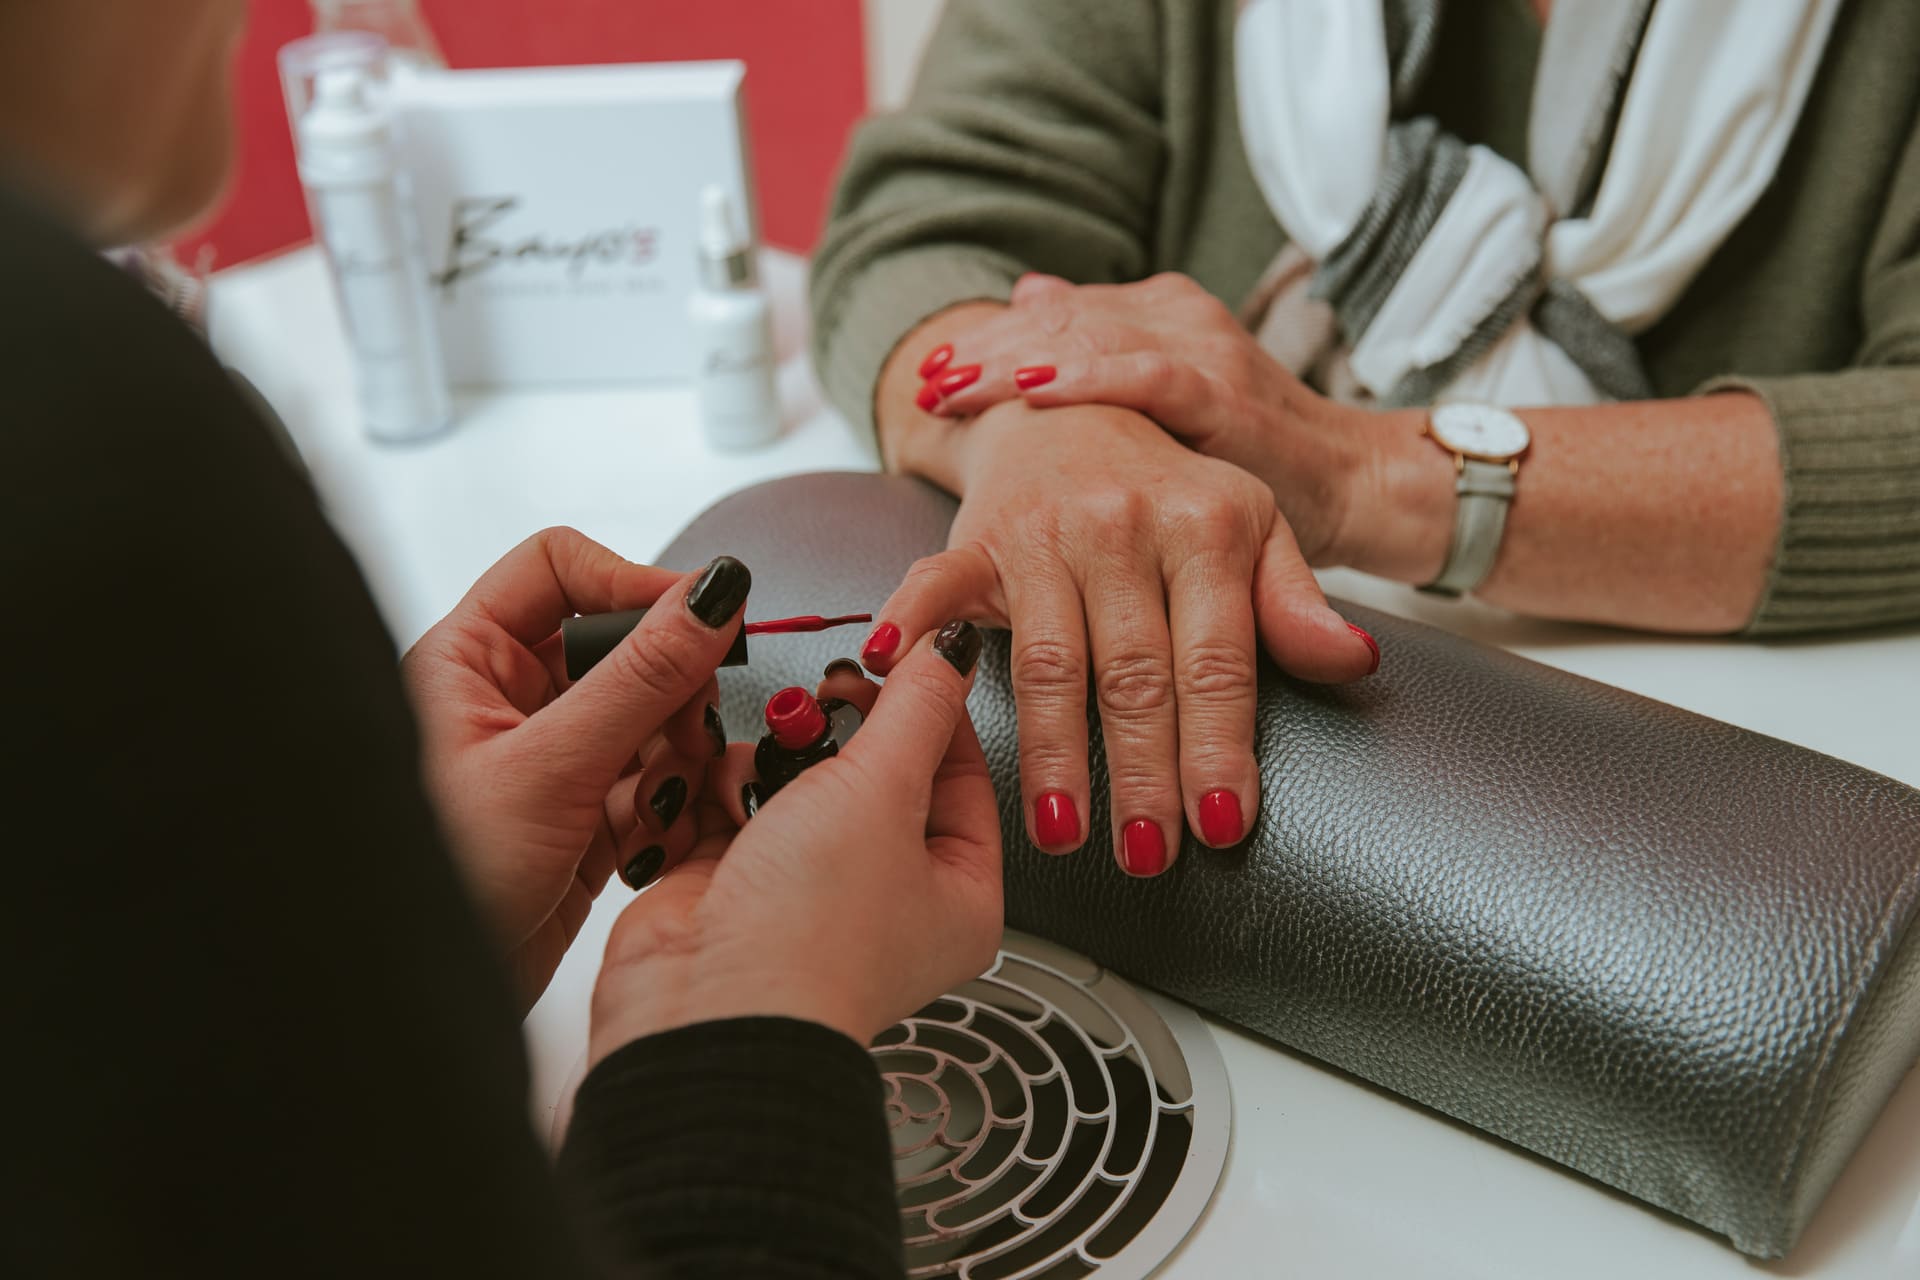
1167	348
546	790
1123	560
863	889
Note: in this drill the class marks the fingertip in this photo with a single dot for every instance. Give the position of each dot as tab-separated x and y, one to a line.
1309	641
1338	652
922	704
1373	646
1142	849
881	649
936	360
845	680
1053	824
959	642
1033	377
645	868
954	381
1219	820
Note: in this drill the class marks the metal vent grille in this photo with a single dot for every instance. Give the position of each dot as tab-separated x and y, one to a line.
1051	1122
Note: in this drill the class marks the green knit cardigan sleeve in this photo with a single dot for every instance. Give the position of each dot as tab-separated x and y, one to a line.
1033	136
1849	549
1038	137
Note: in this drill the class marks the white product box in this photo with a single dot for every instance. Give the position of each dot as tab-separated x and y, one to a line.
560	210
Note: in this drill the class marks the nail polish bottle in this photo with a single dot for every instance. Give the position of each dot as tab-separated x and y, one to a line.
802	730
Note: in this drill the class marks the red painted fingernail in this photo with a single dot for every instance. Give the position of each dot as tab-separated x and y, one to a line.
1371	644
881	644
1038	375
928	397
937	359
954	381
1056	821
1143	849
1220	821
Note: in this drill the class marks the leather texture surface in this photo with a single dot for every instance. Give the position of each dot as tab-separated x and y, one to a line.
1674	955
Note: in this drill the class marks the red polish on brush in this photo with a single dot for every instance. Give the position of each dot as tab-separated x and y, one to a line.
805	622
591	637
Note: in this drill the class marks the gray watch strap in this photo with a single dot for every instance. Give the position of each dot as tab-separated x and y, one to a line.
1485	490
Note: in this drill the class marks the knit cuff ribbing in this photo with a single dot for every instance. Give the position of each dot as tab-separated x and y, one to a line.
1849	548
858	326
748	1146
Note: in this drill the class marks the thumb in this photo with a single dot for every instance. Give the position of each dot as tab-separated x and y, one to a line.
612	710
1297	626
924	699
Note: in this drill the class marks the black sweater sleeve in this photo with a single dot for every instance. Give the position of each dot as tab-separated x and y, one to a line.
252	1026
681	1140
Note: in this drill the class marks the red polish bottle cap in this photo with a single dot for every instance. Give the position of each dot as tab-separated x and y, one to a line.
795	719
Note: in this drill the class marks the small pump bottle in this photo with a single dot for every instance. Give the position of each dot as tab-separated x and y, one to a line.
733	334
361	214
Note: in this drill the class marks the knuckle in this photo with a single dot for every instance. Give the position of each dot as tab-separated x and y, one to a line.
929	575
1231	358
1052	314
1117	508
665	663
927	684
1153	368
1134	686
1048	763
1050	669
1216	670
1208	524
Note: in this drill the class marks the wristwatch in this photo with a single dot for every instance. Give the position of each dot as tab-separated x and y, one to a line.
1486	444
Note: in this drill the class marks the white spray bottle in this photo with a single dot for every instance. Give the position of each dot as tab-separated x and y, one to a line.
733	334
355	188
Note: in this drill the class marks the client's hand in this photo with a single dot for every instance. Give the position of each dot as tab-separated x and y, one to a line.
1172	351
862	890
1123	559
546	790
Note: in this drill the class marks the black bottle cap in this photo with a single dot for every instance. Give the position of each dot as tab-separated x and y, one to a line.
593	636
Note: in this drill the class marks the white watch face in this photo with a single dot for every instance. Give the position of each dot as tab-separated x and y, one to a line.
1480	431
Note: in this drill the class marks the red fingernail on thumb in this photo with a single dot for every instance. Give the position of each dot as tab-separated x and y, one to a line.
1371	644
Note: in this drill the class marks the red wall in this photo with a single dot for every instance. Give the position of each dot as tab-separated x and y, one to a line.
806	85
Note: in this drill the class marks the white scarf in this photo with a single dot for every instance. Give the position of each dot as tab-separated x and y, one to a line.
1713	91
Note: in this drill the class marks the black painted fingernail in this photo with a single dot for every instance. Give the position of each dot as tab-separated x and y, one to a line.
959	644
750	799
717	730
721	591
843	667
669	800
645	867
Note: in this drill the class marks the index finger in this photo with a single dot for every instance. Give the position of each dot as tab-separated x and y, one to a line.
662	663
924	699
555	574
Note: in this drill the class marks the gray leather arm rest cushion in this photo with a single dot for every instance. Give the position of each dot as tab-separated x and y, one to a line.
1674	955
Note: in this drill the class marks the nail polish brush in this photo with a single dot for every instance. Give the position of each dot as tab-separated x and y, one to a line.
591	637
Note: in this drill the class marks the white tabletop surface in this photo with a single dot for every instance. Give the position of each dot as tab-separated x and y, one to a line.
1327	1178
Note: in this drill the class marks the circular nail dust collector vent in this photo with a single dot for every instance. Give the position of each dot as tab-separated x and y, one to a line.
1051	1122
